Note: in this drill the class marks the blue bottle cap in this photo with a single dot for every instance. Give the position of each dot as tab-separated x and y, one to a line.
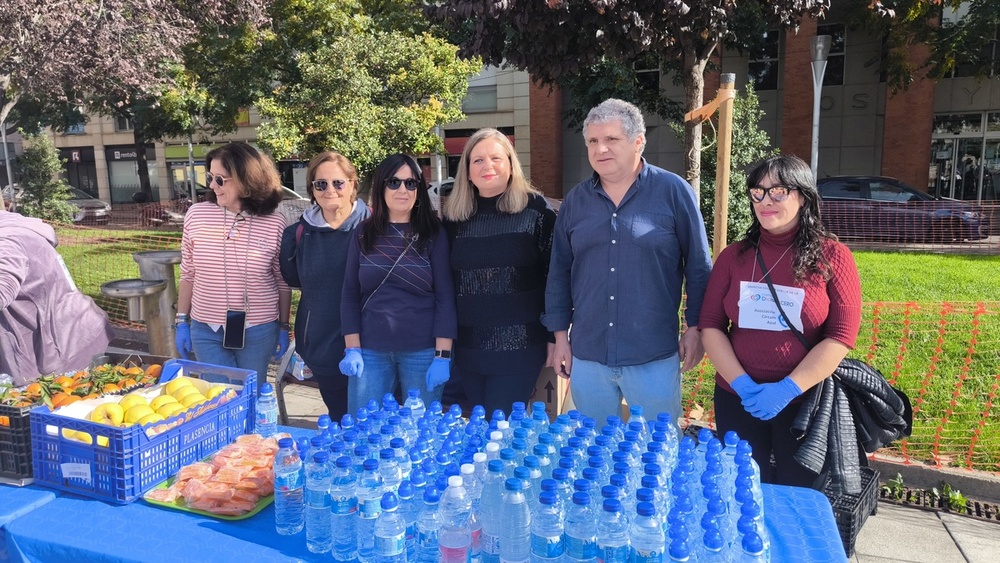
663	417
495	466
370	464
645	508
531	462
649	482
560	474
343	462
591	474
612	505
387	454
581	485
522	472
618	480
549	485
752	543
266	389
285	443
321	456
609	491
596	461
389	501
513	484
548	498
431	495
581	498
405	489
645	494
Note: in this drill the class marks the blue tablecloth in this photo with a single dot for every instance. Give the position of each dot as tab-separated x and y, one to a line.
14	502
72	528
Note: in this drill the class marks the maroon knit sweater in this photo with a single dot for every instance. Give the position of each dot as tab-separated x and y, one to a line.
832	309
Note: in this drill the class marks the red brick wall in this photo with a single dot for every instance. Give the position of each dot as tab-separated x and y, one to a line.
797	92
546	139
909	121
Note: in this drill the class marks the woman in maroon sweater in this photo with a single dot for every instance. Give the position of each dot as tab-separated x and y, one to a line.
762	366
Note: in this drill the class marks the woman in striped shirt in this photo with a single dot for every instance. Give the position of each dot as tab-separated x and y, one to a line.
229	266
398	307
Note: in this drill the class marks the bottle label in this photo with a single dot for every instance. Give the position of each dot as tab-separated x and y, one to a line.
318	498
490	543
581	548
548	547
343	504
390	546
647	556
427	539
369	509
287	481
477	543
613	554
455	554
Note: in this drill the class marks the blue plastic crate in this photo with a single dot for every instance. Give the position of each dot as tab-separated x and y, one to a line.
132	463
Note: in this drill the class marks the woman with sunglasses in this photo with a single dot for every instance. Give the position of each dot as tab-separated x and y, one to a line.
398	311
314	258
762	367
500	229
232	304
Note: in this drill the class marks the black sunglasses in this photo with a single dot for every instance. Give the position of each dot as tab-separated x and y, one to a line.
217	178
322	185
410	183
776	193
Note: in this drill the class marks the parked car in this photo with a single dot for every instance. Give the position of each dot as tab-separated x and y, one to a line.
89	210
877	207
439	192
11	194
293	205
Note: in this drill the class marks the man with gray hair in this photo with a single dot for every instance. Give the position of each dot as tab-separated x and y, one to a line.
626	240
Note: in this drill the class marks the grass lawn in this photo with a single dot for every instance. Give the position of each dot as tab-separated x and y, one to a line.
887	276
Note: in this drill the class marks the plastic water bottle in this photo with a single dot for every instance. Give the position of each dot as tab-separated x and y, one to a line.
369	507
752	520
344	506
581	530
713	547
613	545
428	527
392	476
322	424
753	549
319	534
415	403
410	511
648	539
288	513
547	530
267	411
455	509
635	415
515	524
390	532
490	503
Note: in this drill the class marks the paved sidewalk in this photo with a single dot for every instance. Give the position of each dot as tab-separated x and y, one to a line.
895	533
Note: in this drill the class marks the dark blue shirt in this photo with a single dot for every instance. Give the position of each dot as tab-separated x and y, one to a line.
616	273
399	297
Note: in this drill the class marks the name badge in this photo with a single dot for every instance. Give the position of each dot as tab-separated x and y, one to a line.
758	311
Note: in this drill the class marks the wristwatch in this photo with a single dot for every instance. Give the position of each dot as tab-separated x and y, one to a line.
446	354
180	319
284	326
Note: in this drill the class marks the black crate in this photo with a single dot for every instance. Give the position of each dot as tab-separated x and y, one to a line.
15	443
851	511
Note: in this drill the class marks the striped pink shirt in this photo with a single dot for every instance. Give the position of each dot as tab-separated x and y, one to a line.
222	253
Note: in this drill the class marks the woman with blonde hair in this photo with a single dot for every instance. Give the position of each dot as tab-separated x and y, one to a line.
500	229
232	304
314	259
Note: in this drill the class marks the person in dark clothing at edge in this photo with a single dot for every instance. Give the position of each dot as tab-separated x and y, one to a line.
762	366
625	242
313	258
500	230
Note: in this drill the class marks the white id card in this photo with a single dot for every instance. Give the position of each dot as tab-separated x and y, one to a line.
758	311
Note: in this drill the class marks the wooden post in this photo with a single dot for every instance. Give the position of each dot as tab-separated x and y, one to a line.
725	152
723	102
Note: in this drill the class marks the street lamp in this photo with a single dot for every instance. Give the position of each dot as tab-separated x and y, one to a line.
819	47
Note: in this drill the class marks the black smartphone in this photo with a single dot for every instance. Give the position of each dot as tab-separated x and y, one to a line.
235	330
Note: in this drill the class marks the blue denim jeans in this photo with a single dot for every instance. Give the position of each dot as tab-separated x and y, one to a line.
384	369
259	345
598	389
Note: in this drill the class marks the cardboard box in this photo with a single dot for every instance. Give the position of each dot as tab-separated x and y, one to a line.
554	392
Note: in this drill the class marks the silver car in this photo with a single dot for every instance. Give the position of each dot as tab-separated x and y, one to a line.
89	210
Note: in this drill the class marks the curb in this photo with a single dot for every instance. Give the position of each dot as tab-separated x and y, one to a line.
973	484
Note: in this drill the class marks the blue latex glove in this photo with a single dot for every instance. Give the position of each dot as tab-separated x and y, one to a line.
772	398
352	365
439	373
283	344
745	387
182	339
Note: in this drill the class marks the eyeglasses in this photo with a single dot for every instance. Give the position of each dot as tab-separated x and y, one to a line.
322	185
217	178
776	193
410	183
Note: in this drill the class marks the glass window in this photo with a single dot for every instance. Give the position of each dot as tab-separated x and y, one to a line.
956	123
882	191
480	98
834	75
647	72
762	70
123	124
76	129
840	189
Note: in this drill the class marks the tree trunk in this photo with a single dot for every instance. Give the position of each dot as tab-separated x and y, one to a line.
693	78
140	161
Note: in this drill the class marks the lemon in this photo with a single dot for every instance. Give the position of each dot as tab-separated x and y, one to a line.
160	401
175	384
150	418
184	391
170	410
131	400
215	391
135	413
192	399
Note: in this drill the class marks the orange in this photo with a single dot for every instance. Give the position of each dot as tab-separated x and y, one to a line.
154	370
64	381
34	389
126	383
110	388
133	371
63	399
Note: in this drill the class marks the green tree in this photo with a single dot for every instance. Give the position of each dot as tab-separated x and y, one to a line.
750	146
45	193
367	94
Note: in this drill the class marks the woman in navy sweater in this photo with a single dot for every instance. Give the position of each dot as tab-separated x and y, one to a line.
398	311
500	229
313	258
